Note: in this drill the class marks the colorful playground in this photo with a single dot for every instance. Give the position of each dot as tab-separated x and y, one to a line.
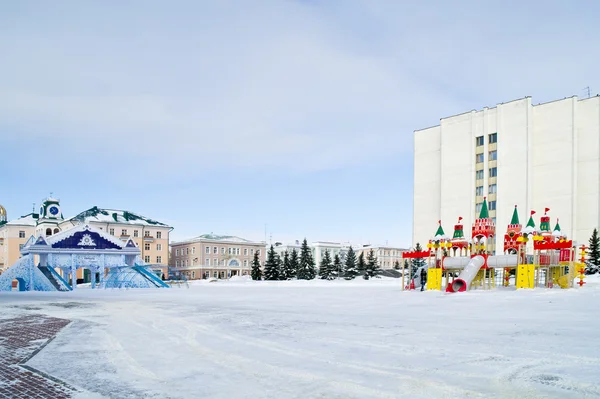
532	257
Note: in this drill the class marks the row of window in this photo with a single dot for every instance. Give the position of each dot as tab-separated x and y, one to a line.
493	172
215	250
158	259
493	155
147	247
135	233
492	138
491	189
491	206
215	262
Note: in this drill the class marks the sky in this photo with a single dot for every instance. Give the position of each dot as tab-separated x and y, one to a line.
265	119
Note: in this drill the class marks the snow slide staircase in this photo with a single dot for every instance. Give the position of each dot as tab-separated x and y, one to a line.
150	276
55	279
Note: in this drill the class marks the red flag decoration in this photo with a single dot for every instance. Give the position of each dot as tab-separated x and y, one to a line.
546	210
532	213
439	222
459	219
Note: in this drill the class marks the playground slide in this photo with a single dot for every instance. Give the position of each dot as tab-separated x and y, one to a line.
467	275
150	276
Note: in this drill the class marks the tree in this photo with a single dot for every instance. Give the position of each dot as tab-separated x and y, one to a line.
306	267
256	272
293	267
350	271
397	265
406	266
337	266
286	272
327	269
360	264
372	269
593	261
272	265
417	262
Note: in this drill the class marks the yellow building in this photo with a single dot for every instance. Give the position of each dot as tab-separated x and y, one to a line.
150	236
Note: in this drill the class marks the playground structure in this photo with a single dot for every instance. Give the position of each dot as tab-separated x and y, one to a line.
458	264
112	263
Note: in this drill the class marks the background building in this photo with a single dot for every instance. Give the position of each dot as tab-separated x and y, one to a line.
211	255
150	236
533	156
386	255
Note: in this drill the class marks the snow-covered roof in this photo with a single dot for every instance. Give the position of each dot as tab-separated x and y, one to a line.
96	214
218	238
27	220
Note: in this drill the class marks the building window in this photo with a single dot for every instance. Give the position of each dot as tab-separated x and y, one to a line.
123	232
492	206
222	250
251	251
159	259
245	251
479	141
206	262
479	158
135	233
479	175
193	250
215	250
493	155
147	259
146	233
493	172
159	247
479	191
187	251
229	251
478	207
147	246
21	234
245	263
216	274
176	263
237	251
492	189
215	262
111	232
207	250
493	138
158	234
177	252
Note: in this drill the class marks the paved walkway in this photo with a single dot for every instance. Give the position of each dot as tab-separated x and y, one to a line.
20	339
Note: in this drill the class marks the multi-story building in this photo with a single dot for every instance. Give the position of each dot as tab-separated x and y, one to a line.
150	236
317	249
386	256
211	255
517	153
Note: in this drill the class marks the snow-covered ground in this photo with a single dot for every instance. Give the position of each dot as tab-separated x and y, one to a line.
320	339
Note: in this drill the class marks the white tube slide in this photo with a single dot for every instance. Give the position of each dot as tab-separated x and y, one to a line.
493	261
467	275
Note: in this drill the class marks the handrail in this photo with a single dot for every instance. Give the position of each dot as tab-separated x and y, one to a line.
56	275
151	276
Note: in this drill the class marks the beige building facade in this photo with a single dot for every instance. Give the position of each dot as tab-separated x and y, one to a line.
152	237
214	256
386	256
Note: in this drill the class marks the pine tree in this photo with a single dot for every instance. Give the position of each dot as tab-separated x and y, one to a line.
406	266
372	269
272	265
417	262
286	272
336	268
593	260
361	266
326	267
350	271
293	269
256	272
397	265
306	268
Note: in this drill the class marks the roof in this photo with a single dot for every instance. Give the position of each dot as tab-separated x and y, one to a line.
96	214
27	220
219	238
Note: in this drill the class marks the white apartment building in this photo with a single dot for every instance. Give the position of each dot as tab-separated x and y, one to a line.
516	153
386	256
317	249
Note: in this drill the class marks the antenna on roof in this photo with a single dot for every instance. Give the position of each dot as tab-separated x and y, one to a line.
33	208
588	90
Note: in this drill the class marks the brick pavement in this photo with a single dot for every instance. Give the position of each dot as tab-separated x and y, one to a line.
20	339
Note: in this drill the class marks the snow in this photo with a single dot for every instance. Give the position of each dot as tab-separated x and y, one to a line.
27	220
320	339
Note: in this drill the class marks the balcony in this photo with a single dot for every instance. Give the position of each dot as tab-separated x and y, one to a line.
148	239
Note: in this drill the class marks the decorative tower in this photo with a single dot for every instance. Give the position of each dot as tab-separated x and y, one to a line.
557	233
512	244
50	217
483	230
439	240
530	229
458	241
545	231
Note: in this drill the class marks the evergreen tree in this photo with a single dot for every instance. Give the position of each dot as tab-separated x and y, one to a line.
286	271
306	267
256	271
272	265
350	271
397	265
593	261
361	266
373	269
417	262
326	267
406	266
336	267
293	268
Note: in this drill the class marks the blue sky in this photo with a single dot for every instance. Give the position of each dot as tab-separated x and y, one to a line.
226	116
